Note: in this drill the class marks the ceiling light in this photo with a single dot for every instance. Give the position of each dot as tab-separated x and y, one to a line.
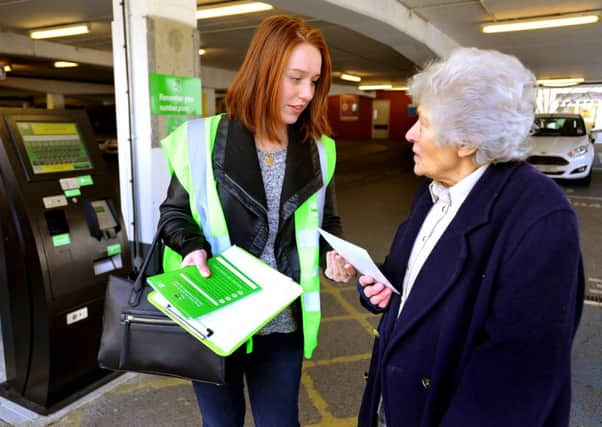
560	82
69	30
7	68
374	87
202	51
65	64
233	8
350	77
536	24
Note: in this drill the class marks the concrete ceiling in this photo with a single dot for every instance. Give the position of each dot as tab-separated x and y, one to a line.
551	53
563	52
17	17
226	41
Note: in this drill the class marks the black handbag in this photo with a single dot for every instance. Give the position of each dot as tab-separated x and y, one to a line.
137	337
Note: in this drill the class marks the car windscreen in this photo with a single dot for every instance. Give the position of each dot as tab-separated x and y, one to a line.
559	126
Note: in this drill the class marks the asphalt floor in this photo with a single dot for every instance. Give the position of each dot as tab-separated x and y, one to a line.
375	186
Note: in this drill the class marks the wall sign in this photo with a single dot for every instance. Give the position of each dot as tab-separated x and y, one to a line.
173	95
349	107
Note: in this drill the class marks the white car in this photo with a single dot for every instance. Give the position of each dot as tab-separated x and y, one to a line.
597	136
562	147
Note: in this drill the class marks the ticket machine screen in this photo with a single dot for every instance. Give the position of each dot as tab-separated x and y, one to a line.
54	147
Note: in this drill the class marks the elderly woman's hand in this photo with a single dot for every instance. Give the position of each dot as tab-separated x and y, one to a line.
338	269
198	258
379	294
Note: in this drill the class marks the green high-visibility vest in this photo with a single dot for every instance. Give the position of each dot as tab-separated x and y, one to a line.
207	211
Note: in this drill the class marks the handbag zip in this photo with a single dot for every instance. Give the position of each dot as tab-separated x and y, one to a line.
129	318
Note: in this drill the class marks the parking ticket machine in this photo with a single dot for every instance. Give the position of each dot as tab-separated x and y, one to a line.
61	235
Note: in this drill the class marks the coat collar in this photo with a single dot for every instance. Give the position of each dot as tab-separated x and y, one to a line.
241	163
302	176
446	262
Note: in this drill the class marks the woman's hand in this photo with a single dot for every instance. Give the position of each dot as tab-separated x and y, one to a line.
198	258
378	293
338	269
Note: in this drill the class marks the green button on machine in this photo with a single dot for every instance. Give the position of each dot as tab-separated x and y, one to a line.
73	192
114	249
85	180
61	239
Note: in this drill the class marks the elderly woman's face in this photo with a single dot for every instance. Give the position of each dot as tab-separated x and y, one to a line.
443	163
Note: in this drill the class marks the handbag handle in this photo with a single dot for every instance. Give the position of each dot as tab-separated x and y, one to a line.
140	282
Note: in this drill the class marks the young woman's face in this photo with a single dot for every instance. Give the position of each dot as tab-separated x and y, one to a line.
299	81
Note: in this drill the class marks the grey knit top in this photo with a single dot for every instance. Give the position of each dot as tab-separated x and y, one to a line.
273	166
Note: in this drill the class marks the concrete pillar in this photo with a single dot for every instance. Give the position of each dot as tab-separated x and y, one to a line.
55	101
208	101
148	37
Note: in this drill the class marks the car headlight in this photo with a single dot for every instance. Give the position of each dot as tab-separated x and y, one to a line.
579	151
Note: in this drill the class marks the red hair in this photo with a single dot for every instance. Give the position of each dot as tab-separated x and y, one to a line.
254	94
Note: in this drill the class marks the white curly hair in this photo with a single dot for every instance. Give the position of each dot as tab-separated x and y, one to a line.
480	98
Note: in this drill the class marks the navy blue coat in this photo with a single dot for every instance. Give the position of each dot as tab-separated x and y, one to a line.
485	336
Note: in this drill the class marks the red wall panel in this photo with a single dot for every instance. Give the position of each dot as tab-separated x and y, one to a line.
358	129
399	122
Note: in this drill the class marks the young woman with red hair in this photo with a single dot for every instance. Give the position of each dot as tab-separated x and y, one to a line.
272	166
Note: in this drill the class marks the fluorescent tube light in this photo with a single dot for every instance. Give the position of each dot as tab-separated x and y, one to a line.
399	88
374	87
69	30
233	8
560	82
350	77
65	64
536	24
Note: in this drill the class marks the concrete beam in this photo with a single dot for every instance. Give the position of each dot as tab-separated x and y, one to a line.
44	86
219	78
16	44
216	78
387	21
338	89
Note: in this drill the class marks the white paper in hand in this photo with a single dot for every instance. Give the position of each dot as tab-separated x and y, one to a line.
358	257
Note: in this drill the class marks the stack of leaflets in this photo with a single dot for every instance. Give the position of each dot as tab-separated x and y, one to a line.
224	310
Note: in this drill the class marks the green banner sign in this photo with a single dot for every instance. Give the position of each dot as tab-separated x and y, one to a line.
173	122
175	95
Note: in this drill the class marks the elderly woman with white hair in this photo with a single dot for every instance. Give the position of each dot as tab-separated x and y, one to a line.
487	265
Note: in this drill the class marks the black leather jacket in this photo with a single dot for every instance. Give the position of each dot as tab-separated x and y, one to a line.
241	192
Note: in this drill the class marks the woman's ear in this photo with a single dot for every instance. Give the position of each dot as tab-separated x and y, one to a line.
465	150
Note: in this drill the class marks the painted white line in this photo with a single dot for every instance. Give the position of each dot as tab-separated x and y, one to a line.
585	205
585	197
597	304
594	279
